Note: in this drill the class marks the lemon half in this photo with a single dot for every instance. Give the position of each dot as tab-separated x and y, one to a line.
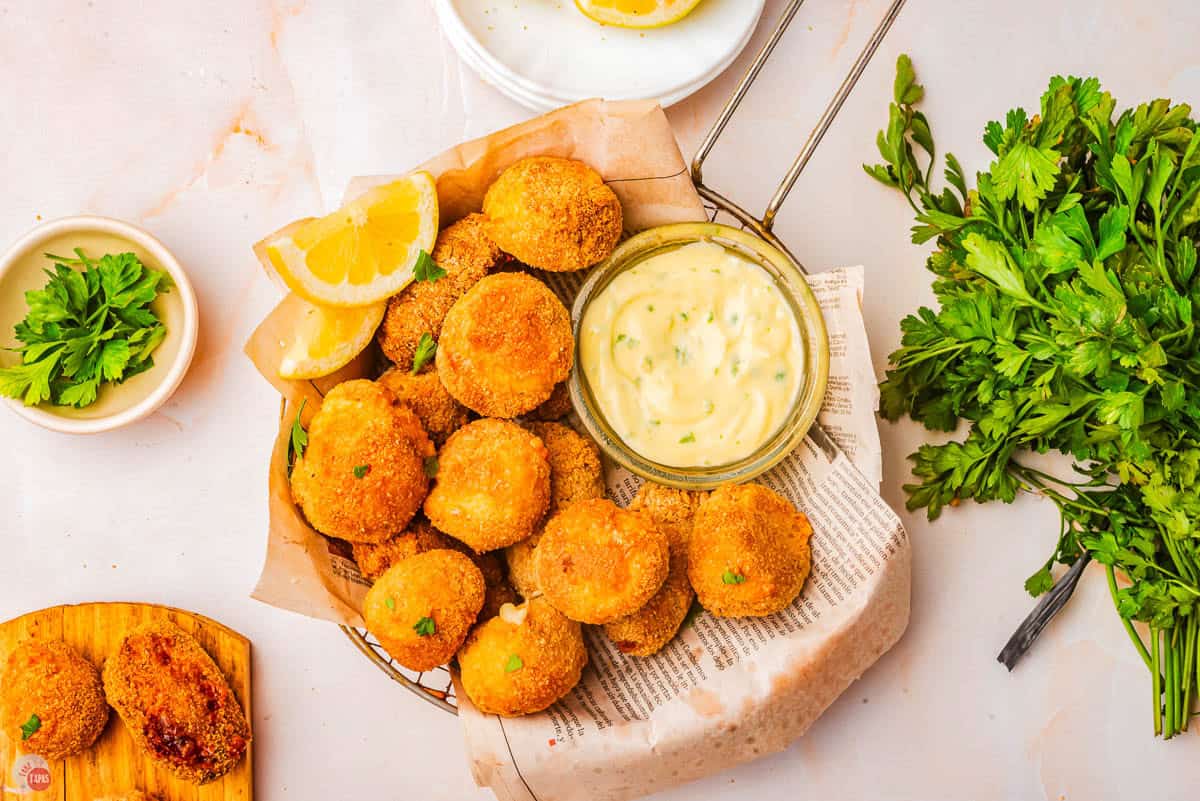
365	251
637	13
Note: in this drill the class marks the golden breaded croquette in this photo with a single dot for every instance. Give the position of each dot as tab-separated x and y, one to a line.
466	253
493	485
575	472
505	345
522	566
554	214
176	703
575	475
648	629
362	476
597	562
51	700
522	660
749	555
421	609
556	407
439	413
374	559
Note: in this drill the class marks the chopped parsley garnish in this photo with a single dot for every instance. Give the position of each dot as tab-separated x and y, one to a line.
427	269
729	577
648	363
781	375
708	407
711	317
361	470
621	337
655	422
30	727
513	664
299	439
425	627
684	315
733	319
86	327
689	437
431	466
390	603
426	348
681	355
650	308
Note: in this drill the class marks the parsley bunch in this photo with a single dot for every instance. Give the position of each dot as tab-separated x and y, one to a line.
86	326
1068	295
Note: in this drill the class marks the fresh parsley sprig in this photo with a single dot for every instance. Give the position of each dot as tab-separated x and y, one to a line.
92	323
1067	289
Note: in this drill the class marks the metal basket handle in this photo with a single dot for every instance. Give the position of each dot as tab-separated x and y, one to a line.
763	225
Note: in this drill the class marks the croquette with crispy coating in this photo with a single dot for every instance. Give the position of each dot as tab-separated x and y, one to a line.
421	609
597	562
556	407
374	559
522	660
176	703
505	345
56	695
362	476
650	628
493	485
575	472
554	214
749	555
439	413
466	253
522	565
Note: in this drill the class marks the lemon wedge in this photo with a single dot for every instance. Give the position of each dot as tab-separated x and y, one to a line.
637	13
365	251
325	338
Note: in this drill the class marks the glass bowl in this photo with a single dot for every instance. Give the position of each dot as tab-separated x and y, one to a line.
814	340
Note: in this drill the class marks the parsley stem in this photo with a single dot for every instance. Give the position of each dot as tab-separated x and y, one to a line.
1155	681
1129	629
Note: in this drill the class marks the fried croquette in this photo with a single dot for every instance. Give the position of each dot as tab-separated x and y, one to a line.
522	660
176	704
440	413
575	472
648	629
749	555
493	485
556	407
374	559
505	345
554	214
522	566
597	562
51	700
466	253
422	608
362	476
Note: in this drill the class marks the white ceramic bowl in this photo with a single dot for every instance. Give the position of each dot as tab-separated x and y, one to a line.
21	270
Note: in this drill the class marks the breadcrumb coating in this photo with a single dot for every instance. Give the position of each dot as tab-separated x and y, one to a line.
466	253
505	345
749	555
421	609
518	668
176	703
362	476
493	485
438	411
554	214
54	682
575	471
597	562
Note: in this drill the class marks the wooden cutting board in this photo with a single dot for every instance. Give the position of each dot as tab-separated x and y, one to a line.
114	766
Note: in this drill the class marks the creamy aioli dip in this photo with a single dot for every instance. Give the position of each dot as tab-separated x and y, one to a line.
694	356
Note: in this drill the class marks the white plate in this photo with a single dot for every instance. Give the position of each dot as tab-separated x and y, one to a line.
545	53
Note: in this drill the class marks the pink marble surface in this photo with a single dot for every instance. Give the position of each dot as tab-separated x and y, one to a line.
213	123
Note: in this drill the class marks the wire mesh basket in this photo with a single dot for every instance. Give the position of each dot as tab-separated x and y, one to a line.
436	686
